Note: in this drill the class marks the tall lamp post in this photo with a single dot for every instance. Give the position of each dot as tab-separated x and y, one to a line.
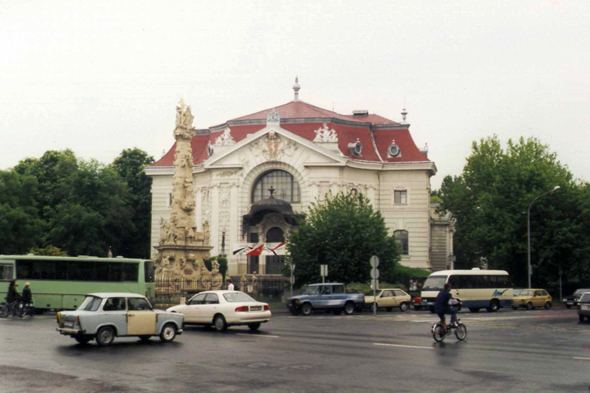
529	229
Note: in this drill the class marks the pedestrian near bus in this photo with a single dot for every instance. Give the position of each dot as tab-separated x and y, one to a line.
27	296
12	296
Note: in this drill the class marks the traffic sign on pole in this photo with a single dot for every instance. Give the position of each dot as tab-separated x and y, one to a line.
374	273
374	261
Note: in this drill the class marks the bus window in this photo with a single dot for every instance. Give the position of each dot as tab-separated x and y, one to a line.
6	272
434	283
455	282
149	272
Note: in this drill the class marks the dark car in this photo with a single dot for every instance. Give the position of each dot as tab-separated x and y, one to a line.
572	300
584	307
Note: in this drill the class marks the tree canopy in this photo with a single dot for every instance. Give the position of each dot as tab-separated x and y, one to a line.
343	232
490	200
78	206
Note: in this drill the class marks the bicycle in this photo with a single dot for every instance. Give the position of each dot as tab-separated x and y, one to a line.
5	309
25	309
439	331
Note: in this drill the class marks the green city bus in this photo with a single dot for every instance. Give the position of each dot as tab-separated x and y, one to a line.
61	283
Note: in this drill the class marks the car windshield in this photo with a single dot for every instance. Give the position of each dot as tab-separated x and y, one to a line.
434	283
235	297
524	292
91	303
585	298
310	290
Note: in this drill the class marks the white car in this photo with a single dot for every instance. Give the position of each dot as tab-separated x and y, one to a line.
222	309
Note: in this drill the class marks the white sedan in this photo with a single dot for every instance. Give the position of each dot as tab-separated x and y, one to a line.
222	309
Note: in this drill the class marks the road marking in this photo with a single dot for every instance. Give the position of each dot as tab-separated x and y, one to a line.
580	358
256	335
401	346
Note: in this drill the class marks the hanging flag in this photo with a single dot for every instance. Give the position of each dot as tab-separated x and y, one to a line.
256	252
279	246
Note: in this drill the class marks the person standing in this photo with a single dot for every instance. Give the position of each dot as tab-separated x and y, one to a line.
27	296
230	285
12	296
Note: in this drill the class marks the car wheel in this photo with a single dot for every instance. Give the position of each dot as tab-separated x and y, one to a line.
83	339
220	324
105	336
145	338
547	305
306	309
168	333
494	306
254	326
349	308
390	309
529	306
474	309
404	307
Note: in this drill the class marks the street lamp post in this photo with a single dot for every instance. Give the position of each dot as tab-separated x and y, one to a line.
529	230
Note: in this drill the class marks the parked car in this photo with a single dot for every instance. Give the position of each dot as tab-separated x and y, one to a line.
417	301
532	298
104	316
223	309
389	298
584	307
573	299
327	296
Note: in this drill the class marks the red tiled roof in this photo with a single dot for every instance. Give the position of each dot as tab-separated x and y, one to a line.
347	133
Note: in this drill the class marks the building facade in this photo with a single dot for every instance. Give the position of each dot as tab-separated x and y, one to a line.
255	174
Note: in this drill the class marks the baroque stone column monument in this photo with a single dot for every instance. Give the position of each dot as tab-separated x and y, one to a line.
182	248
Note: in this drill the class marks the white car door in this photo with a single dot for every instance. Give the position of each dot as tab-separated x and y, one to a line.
209	308
193	309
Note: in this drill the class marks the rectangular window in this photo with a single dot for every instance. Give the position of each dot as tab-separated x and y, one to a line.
274	264
254	237
6	272
149	272
253	265
400	197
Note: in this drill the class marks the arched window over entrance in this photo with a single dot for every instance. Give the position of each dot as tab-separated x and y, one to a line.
275	235
284	185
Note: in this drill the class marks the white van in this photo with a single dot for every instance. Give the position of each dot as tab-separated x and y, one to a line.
475	288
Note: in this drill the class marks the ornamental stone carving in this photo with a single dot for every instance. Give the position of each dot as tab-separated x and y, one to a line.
225	139
325	135
273	147
273	118
182	248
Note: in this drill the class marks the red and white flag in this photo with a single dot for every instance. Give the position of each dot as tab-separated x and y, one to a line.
256	251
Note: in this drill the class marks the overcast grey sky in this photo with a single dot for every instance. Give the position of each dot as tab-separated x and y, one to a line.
101	76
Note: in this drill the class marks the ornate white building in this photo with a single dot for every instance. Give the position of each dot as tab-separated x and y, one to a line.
253	175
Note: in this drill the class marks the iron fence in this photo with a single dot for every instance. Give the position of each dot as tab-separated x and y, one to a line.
169	291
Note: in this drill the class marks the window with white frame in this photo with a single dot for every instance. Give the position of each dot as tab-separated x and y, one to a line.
400	197
402	240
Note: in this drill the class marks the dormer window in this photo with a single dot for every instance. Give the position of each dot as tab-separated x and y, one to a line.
393	150
355	148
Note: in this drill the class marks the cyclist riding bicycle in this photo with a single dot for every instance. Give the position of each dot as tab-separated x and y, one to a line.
12	297
442	306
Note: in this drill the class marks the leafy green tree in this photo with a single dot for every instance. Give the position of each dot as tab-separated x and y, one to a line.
49	251
20	225
343	232
490	201
130	165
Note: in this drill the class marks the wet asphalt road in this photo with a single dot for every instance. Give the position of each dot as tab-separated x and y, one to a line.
521	351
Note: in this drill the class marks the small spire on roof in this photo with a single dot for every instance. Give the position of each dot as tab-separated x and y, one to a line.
404	114
296	89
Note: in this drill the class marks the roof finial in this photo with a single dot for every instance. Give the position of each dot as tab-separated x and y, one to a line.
404	114
296	89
